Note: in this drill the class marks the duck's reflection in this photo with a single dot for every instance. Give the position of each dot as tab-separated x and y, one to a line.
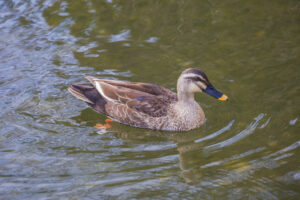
196	151
189	146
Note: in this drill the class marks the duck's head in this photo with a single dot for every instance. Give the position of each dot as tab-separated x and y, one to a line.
195	80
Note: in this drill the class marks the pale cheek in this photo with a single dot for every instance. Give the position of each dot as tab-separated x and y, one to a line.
202	85
194	88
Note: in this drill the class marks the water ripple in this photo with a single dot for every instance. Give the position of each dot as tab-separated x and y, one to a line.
249	130
49	148
219	132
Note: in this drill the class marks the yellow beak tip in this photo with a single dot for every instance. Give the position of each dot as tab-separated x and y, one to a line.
223	98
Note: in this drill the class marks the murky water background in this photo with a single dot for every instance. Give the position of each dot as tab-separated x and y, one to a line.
248	148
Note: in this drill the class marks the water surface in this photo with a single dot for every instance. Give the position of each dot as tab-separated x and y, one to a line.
247	149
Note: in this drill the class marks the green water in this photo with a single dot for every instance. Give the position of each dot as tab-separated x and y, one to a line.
249	147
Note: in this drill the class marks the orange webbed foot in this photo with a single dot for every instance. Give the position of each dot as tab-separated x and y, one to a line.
104	126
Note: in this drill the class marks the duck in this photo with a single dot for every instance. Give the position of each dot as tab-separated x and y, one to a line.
146	105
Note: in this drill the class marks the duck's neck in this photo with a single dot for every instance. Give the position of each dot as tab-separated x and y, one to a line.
184	93
185	97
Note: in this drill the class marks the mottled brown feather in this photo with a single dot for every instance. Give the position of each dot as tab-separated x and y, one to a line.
150	99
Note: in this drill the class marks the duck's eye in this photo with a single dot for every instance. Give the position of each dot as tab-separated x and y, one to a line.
195	78
198	79
204	81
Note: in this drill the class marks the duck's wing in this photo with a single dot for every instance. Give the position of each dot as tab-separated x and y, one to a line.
147	98
143	87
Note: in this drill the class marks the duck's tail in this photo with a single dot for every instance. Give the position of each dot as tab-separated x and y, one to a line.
88	94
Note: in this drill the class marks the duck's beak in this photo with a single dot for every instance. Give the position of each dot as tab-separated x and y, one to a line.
215	93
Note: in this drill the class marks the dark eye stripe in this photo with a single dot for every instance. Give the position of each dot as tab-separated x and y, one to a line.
197	78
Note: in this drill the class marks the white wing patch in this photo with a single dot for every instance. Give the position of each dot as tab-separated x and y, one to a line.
100	90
